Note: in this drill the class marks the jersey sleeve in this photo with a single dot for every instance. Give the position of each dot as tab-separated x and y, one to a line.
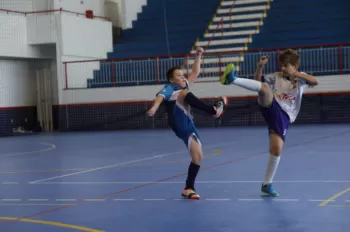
166	92
301	81
270	79
187	84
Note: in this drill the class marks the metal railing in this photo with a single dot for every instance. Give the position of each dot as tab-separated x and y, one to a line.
230	13
61	10
316	60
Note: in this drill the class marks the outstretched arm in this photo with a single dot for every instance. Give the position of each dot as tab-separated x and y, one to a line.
310	80
258	73
196	68
159	99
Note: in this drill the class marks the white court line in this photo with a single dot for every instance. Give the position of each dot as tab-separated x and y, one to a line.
124	199
124	163
52	146
253	199
211	199
105	167
285	199
94	199
9	183
66	199
317	200
154	199
10	199
197	182
170	199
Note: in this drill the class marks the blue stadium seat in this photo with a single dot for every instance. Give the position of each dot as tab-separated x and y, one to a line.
172	27
162	28
311	22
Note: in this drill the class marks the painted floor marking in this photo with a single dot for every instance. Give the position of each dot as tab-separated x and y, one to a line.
106	167
181	182
66	199
166	199
218	199
177	176
50	223
213	147
334	197
10	199
51	147
38	199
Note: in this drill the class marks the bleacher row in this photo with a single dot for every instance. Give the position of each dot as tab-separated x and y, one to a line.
165	28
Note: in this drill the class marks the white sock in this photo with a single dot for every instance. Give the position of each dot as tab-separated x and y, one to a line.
249	84
271	168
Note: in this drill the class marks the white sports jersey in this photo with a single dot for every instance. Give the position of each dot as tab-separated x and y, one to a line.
288	97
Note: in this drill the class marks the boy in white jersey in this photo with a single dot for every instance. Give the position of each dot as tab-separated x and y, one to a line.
279	98
177	99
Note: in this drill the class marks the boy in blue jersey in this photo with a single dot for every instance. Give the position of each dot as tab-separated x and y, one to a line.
178	99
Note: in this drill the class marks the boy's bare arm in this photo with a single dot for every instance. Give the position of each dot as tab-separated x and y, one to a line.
310	80
159	99
258	73
196	67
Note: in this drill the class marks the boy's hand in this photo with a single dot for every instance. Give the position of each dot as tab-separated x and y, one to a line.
199	51
151	112
263	60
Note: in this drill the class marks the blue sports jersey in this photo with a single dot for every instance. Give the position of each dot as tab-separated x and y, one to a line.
179	119
170	92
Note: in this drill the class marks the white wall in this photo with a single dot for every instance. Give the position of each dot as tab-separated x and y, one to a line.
71	5
202	90
39	5
13	39
97	6
26	5
79	73
58	37
131	8
18	76
127	11
113	11
18	82
42	28
83	37
93	40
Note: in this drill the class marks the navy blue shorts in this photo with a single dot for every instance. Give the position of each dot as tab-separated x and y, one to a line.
184	127
277	120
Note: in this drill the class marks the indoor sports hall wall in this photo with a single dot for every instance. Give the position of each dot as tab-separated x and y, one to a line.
332	83
125	107
18	93
41	5
18	65
127	11
48	39
26	5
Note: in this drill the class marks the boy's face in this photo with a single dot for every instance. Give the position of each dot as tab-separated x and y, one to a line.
178	78
288	70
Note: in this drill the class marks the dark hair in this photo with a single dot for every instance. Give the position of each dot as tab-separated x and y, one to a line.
290	56
170	72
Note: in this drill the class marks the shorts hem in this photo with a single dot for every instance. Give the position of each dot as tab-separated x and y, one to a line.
189	141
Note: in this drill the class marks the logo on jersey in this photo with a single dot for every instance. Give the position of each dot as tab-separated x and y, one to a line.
284	96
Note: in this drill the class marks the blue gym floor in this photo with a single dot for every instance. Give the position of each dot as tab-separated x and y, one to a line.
132	181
